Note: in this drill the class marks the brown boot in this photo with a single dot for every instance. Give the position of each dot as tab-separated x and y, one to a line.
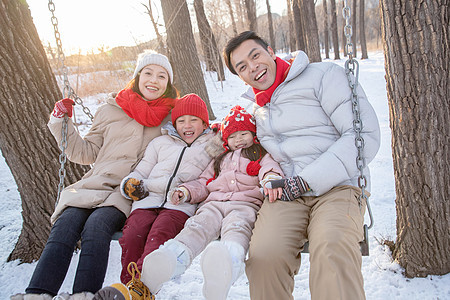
133	290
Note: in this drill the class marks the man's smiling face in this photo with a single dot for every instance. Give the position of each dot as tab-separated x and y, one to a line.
255	65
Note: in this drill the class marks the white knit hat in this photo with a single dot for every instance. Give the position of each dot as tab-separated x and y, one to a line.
149	57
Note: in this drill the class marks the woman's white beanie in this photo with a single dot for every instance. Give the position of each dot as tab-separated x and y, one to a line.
149	57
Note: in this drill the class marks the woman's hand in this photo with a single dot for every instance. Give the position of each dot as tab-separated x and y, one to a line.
63	107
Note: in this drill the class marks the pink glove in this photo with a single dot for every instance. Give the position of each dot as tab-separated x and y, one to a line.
62	107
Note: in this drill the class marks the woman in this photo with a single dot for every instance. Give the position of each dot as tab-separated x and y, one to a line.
93	208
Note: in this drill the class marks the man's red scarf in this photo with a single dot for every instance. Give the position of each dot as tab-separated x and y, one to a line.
263	97
147	113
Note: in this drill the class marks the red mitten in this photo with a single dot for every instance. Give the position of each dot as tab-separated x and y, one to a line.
62	107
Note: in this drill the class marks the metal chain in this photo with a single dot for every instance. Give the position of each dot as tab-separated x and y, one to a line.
352	71
68	92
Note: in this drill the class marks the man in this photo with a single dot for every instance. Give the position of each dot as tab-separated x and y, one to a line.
304	120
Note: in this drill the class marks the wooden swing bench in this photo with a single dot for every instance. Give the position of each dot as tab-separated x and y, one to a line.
364	244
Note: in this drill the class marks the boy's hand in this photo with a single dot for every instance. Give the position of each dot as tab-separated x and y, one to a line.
134	188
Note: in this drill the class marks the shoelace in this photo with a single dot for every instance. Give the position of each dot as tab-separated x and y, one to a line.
136	281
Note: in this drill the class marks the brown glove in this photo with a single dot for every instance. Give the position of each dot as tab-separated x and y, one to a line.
134	188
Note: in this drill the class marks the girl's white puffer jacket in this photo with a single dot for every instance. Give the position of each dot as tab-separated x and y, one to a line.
168	162
308	126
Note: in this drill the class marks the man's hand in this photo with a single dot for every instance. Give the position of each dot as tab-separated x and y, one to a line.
293	187
134	188
272	193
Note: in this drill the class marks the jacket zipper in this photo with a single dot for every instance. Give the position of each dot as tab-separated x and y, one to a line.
173	176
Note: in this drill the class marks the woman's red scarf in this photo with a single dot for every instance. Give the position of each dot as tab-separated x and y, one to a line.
147	113
263	97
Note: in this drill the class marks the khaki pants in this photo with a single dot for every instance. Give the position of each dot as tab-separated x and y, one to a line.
333	224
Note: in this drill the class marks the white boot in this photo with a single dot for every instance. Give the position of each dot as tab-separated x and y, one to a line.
170	260
81	296
31	297
222	263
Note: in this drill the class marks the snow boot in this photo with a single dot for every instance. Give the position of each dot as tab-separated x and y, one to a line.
222	263
116	291
133	290
77	296
31	297
161	265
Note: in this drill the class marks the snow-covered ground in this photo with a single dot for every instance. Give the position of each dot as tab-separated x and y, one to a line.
383	277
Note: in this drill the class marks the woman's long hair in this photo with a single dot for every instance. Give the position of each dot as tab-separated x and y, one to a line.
170	92
253	153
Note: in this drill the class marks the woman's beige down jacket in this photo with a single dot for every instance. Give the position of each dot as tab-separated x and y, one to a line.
114	145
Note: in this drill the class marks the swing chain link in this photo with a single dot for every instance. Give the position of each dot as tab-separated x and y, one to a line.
352	72
62	158
68	92
348	31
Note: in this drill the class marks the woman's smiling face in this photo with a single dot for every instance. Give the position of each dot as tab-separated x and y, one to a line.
153	81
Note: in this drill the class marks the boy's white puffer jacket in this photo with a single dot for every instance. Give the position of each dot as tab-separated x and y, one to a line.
168	162
308	126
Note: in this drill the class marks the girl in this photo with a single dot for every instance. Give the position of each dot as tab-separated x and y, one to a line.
93	208
229	197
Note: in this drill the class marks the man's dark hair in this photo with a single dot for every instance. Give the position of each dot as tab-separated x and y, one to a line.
236	42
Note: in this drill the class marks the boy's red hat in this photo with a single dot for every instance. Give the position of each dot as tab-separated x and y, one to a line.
190	104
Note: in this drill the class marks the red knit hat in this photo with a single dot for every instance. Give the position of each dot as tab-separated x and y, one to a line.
238	119
190	104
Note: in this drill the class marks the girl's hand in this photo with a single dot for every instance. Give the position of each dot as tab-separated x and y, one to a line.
176	197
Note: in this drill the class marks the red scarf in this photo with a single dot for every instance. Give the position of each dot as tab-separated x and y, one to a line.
263	97
147	113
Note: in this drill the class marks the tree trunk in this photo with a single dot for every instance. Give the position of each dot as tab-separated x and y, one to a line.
298	26
354	27
233	22
325	29
162	48
241	15
362	30
310	31
250	7
183	52
212	57
28	92
290	17
269	18
417	59
334	31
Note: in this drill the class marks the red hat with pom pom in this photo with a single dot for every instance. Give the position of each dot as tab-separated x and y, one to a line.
238	119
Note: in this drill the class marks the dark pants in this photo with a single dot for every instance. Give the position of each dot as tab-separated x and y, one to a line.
144	231
95	227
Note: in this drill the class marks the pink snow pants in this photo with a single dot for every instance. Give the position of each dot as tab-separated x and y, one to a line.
144	231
